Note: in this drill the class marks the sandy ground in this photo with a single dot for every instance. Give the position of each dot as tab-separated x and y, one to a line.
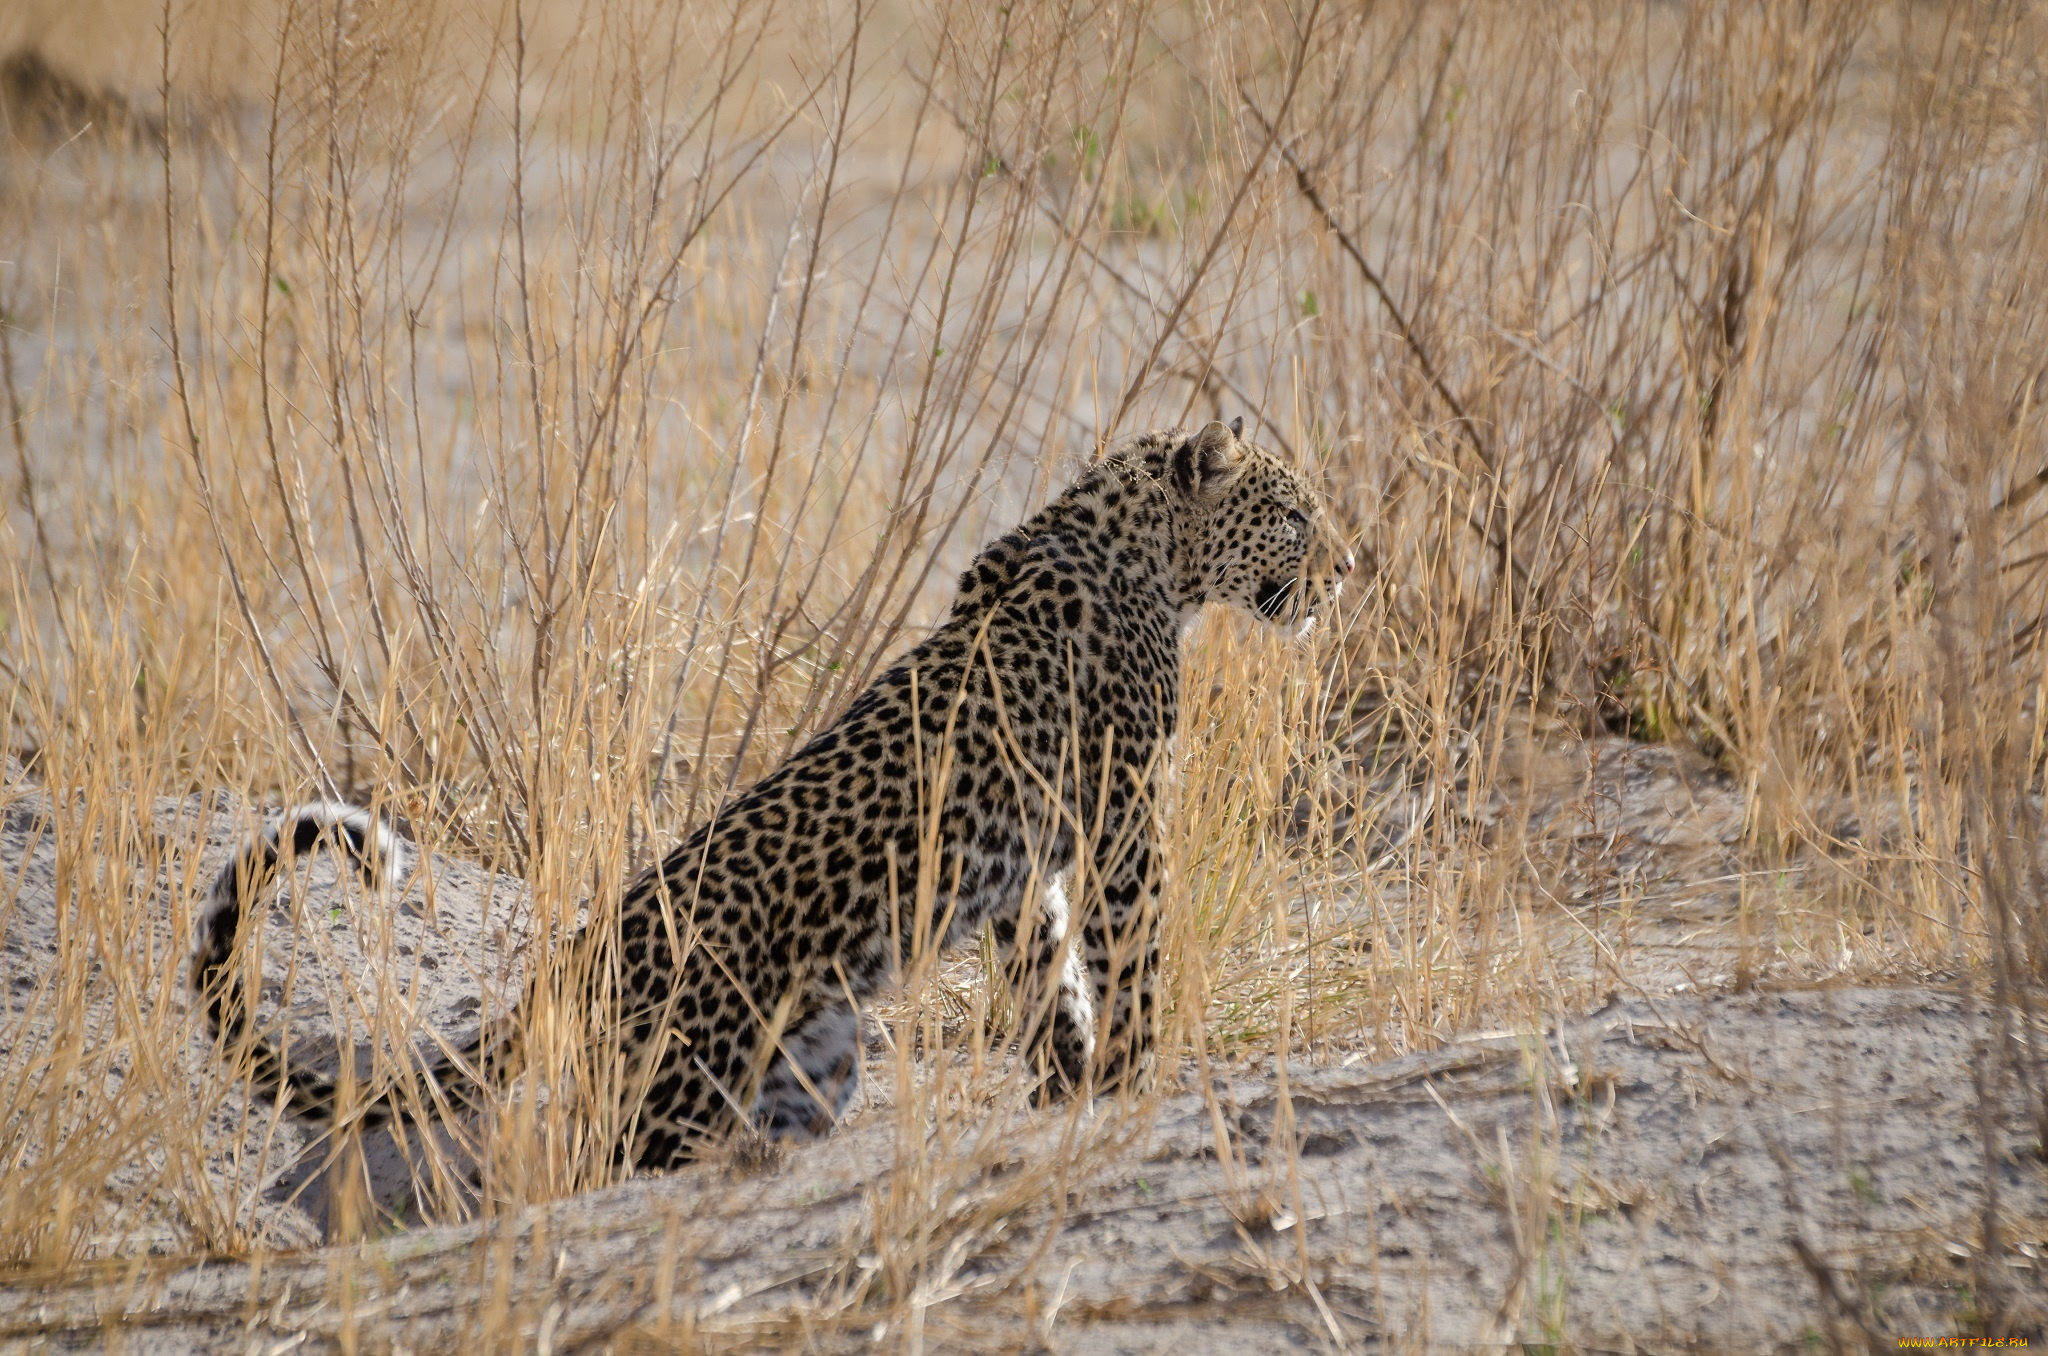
1795	1165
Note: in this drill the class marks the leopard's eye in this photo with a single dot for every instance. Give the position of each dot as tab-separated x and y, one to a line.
1297	517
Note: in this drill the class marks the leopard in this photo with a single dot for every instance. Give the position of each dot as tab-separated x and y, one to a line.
1009	773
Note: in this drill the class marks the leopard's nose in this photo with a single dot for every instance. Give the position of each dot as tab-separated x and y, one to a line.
1346	563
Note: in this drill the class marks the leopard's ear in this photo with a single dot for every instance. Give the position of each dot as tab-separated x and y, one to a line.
1208	462
1237	427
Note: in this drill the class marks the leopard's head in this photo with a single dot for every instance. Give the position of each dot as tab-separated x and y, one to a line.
1258	535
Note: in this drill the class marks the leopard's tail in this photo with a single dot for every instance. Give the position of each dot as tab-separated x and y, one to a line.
379	858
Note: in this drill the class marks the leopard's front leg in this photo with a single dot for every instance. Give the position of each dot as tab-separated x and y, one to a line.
1054	1015
1120	943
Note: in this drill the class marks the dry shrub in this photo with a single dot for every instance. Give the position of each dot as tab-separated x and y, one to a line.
539	419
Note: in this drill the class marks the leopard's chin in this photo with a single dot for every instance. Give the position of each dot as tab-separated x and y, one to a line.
1319	601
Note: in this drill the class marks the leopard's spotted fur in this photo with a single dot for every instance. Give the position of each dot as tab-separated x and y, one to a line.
1044	707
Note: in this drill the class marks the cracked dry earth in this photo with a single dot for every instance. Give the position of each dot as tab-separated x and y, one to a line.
1792	1166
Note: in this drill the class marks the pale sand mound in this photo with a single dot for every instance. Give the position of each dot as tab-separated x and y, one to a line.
1751	1172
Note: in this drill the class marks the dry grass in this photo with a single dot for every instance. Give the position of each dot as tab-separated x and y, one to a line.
537	419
